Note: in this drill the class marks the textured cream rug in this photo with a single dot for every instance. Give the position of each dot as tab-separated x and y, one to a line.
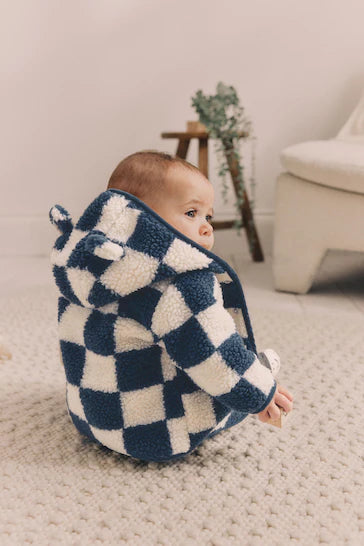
254	484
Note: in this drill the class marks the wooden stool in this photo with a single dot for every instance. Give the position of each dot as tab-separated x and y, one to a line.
184	139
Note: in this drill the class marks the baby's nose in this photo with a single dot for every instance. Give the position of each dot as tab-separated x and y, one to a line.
206	229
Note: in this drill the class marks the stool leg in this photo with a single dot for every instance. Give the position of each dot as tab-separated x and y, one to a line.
203	163
182	147
246	212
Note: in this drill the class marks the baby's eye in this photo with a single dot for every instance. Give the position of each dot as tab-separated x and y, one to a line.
193	210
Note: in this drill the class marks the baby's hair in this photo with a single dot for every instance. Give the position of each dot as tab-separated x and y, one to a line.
144	173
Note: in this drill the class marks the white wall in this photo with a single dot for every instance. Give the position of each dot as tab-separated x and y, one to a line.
86	82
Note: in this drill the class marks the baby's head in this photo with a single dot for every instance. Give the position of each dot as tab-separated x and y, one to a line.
173	188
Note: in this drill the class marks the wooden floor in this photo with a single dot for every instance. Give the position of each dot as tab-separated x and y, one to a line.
338	285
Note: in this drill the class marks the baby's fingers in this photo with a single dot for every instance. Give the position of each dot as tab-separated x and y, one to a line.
282	401
263	416
274	412
284	391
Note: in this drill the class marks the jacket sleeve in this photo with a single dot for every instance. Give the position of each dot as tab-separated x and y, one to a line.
200	336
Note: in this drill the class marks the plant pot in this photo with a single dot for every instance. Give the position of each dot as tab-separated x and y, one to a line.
196	127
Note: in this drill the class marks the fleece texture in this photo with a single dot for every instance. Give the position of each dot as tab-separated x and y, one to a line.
154	332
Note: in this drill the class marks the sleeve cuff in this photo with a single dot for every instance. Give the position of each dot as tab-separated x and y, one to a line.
270	396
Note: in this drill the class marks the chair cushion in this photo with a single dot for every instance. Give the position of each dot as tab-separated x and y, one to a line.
337	163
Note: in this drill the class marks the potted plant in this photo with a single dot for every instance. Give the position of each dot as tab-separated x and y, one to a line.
224	119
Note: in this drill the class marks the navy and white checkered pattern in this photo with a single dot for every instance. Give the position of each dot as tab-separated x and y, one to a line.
151	329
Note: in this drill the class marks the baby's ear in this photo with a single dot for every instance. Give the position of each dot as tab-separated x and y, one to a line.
97	244
61	218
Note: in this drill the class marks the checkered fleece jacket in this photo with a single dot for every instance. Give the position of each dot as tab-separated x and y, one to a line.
154	332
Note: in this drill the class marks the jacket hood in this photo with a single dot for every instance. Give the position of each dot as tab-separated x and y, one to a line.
120	245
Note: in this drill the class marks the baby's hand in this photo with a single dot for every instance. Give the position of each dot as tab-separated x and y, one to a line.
281	399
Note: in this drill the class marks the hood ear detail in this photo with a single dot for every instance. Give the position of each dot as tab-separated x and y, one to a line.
97	244
61	218
119	246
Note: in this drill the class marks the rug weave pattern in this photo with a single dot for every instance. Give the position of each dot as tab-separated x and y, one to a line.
253	484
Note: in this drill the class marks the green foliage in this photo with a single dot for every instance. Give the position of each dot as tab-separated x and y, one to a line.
224	118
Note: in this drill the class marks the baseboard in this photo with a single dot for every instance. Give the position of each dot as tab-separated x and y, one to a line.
35	235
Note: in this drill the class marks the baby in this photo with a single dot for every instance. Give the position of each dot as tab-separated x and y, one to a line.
152	324
184	197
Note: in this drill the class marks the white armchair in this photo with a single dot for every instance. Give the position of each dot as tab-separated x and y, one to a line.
319	204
